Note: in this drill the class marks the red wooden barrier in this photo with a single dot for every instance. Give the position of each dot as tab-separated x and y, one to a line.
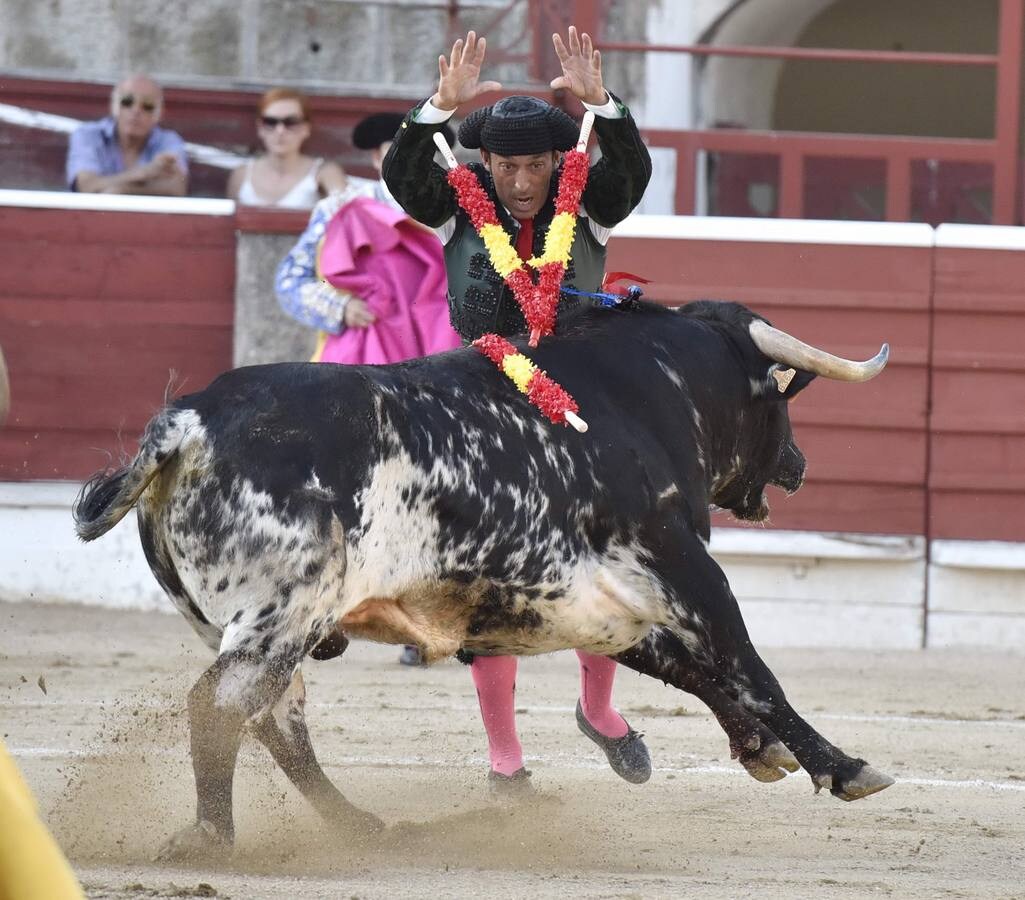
977	473
97	309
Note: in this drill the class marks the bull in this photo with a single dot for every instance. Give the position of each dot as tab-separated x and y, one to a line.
288	508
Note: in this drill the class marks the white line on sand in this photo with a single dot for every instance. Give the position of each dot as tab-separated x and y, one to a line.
56	753
536	710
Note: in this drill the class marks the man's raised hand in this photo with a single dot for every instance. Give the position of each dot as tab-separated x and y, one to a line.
460	74
581	68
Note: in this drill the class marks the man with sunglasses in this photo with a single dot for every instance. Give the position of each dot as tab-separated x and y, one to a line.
127	152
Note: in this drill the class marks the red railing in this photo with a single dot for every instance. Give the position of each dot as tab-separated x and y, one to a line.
897	155
793	152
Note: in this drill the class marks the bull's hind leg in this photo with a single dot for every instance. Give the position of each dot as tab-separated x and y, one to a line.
238	687
706	617
282	730
663	655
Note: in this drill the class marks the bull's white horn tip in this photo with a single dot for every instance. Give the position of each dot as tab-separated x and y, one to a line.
877	363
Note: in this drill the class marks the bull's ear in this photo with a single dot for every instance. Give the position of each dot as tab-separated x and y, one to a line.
785	383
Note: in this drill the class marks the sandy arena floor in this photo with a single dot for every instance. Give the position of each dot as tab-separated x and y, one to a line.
106	750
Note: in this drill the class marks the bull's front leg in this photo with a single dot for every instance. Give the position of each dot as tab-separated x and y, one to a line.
663	655
705	615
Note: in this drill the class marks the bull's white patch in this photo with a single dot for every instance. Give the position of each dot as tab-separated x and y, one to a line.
235	685
313	486
607	603
394	544
673	376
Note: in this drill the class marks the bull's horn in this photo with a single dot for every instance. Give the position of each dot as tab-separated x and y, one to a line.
783	348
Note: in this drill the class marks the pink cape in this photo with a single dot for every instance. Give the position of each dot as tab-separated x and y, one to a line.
380	255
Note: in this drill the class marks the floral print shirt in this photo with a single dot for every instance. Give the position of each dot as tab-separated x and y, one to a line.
301	293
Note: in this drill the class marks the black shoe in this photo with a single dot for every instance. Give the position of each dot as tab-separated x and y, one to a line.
410	656
510	787
627	755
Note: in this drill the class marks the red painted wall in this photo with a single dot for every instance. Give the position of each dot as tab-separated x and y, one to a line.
977	427
97	309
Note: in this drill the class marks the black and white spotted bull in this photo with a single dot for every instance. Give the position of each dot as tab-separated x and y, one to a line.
287	508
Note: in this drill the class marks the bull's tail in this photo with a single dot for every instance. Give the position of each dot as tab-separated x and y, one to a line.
108	496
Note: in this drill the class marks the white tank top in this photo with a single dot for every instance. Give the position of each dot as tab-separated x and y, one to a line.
304	194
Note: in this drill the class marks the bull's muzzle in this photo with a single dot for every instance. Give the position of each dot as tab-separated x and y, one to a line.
790	471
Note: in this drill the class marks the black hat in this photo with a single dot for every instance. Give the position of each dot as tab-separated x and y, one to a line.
519	126
375	129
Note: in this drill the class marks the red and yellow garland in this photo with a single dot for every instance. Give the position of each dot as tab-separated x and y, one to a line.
546	394
539	300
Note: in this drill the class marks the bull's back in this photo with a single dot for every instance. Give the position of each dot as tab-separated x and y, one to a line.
279	426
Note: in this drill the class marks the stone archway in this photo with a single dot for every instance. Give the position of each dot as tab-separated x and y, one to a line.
802	95
738	91
932	101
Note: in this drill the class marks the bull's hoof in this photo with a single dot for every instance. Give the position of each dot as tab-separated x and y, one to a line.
351	820
198	842
867	781
770	763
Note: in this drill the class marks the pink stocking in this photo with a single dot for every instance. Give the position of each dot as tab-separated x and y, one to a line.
597	674
495	679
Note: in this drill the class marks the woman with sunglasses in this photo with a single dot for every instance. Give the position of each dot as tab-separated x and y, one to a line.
284	176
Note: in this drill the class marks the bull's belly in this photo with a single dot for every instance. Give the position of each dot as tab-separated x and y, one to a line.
603	606
608	607
611	638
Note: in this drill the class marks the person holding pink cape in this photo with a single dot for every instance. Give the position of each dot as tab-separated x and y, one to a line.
376	253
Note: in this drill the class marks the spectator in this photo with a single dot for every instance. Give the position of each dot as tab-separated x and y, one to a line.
128	152
381	301
284	175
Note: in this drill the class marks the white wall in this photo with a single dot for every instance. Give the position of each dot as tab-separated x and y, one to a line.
796	589
667	100
42	560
